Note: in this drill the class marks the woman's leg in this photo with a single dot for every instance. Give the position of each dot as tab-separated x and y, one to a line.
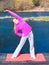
31	41
19	47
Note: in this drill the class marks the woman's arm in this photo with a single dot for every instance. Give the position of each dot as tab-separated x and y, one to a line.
13	14
18	32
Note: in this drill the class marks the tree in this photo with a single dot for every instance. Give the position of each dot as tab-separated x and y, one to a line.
35	2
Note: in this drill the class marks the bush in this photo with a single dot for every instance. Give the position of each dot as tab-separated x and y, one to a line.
35	2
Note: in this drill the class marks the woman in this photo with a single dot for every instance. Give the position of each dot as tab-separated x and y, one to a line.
23	30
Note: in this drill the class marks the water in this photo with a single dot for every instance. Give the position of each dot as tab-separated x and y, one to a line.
9	41
27	14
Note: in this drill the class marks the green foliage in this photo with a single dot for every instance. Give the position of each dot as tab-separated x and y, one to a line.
35	2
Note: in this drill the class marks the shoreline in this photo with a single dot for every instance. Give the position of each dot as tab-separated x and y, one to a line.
36	9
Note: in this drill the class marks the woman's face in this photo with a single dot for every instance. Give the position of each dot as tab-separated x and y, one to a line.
15	21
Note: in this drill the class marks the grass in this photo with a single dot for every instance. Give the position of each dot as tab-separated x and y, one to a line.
40	18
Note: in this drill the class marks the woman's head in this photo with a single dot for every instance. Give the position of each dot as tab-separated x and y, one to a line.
15	21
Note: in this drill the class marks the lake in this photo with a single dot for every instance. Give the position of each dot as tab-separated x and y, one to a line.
9	41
